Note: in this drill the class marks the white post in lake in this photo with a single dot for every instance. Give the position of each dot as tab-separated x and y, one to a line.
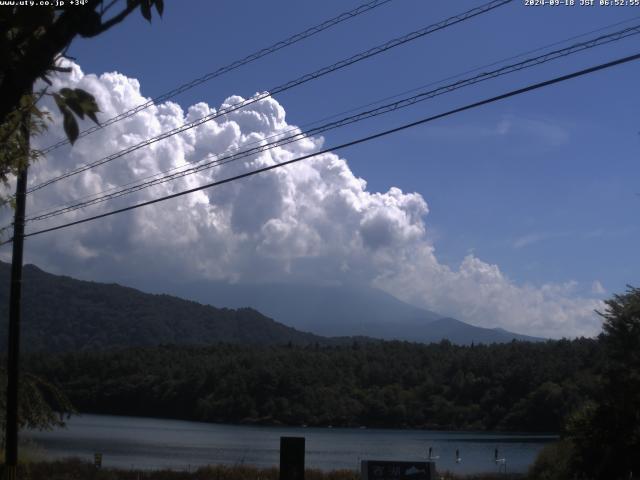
501	462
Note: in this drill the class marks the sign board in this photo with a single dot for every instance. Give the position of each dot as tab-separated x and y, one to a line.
291	458
392	470
97	460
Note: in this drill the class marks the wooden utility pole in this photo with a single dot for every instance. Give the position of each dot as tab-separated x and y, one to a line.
11	428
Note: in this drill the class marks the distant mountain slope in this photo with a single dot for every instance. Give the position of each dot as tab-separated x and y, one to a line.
324	310
342	311
64	314
459	332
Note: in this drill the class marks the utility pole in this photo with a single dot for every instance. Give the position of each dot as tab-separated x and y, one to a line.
11	428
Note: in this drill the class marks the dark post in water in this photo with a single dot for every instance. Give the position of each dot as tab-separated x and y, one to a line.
291	458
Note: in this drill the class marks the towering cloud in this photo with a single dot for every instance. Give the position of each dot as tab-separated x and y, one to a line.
312	222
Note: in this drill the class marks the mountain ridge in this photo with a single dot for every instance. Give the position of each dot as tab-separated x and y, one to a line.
61	313
342	310
65	314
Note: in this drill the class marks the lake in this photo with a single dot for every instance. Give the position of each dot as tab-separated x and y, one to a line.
149	443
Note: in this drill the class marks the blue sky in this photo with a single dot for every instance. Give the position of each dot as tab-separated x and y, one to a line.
545	185
522	214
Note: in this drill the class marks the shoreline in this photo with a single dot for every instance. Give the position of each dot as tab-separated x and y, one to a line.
435	429
151	443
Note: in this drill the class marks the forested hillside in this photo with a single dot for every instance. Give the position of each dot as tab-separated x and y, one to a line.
64	314
516	386
61	313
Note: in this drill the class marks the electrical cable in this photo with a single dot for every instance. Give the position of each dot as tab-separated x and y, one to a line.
224	158
354	109
291	84
228	68
374	136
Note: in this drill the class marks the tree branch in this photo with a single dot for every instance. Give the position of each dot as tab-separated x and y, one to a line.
42	51
104	26
108	7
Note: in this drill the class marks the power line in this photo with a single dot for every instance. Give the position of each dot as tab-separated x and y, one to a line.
228	68
485	66
281	88
403	103
355	109
384	133
293	83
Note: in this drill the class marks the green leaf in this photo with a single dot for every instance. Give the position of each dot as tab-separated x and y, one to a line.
60	102
93	117
145	8
159	6
74	104
89	104
70	126
83	103
69	98
83	94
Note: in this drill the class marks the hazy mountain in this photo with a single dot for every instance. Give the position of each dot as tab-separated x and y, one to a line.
342	311
64	314
61	313
463	333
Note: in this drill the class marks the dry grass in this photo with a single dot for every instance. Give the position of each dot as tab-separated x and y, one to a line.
484	476
74	469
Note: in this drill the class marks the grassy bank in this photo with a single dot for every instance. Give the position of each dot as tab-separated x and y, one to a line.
74	469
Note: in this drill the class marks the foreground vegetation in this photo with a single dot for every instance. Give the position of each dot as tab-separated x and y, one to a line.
76	469
518	386
589	390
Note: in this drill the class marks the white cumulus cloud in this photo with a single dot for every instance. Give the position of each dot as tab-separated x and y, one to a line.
314	221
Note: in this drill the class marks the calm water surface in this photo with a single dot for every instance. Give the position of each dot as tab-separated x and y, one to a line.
148	443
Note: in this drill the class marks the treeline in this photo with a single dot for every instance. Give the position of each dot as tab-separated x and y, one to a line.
518	386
